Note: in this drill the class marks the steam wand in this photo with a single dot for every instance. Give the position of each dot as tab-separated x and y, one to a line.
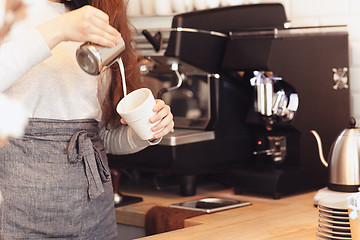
180	77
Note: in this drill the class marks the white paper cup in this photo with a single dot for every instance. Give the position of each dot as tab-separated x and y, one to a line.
163	7
134	8
235	2
189	5
200	4
213	3
137	109
148	7
179	6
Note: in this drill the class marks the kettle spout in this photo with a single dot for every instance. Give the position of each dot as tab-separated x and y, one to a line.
321	155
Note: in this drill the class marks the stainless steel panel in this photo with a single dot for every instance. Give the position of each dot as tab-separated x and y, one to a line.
185	136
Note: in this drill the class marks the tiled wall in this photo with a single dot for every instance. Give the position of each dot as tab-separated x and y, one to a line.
312	13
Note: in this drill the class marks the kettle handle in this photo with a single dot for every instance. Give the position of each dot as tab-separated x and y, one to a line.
318	139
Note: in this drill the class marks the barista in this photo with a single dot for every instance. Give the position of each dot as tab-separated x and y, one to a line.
55	181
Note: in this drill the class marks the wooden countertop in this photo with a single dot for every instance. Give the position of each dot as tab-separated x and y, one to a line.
293	217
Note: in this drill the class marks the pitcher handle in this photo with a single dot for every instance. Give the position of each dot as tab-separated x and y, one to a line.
318	139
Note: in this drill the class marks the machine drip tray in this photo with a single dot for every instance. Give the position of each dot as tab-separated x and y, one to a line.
210	205
186	136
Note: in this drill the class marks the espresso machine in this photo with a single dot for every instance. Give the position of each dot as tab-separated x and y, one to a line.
245	91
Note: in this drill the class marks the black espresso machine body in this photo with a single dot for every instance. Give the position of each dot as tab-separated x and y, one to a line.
203	142
205	76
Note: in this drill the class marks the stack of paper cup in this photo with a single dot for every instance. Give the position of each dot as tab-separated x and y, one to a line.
163	7
213	3
134	8
189	5
200	4
147	7
179	6
233	2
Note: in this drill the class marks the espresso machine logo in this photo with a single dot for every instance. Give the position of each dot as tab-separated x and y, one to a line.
340	78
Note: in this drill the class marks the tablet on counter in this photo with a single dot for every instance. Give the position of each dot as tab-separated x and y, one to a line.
211	204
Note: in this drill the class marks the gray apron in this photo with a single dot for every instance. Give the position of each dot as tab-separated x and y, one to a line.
55	183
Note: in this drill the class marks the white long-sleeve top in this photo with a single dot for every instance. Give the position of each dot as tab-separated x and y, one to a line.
50	84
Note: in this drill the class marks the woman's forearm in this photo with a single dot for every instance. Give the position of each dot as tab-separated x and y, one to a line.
19	55
122	141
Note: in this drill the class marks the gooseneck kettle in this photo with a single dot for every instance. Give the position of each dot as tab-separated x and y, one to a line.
344	159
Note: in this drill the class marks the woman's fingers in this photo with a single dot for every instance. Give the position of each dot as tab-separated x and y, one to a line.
166	120
164	115
161	110
101	30
86	24
166	129
95	26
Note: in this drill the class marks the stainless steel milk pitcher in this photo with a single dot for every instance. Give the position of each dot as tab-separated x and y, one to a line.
94	59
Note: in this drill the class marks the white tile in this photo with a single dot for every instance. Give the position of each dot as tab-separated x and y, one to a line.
354	52
320	8
355	106
343	20
354	76
354	6
354	28
303	22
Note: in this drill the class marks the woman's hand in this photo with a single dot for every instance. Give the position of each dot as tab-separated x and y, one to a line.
81	25
164	115
14	10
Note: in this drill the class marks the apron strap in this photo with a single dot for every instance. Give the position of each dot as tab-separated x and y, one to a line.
82	149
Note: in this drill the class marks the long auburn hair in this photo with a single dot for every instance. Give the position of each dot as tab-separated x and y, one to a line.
116	9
